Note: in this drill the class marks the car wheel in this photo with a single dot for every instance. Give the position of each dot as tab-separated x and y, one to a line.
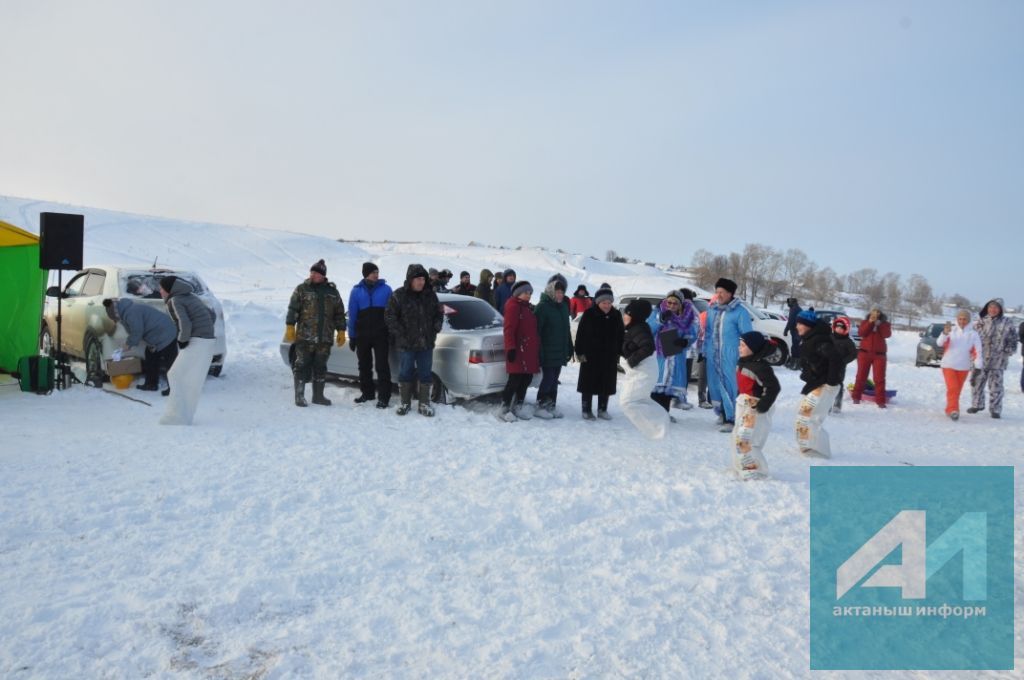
46	342
438	392
781	355
94	374
216	370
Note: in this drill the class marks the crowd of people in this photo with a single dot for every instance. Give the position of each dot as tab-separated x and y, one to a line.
644	353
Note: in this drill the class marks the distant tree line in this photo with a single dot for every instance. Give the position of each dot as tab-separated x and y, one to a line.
765	274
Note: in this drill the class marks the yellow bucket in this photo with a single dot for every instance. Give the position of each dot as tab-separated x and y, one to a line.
123	382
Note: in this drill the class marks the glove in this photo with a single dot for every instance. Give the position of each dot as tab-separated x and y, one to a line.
289	333
352	344
760	408
341	338
182	345
510	355
681	342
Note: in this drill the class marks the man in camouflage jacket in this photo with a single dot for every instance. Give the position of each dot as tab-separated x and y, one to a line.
316	316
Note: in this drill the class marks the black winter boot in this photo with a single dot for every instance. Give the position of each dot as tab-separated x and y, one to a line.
318	394
425	408
300	393
405	394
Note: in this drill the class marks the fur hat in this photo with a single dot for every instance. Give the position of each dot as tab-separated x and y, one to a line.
688	294
807	317
556	282
520	287
727	284
319	267
369	268
754	340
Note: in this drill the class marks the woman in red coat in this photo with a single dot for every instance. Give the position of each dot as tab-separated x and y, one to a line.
871	357
522	352
580	302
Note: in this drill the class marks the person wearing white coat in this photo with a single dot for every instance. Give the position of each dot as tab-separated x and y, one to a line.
961	351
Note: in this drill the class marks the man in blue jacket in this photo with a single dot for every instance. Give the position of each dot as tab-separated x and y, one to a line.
147	326
503	292
368	334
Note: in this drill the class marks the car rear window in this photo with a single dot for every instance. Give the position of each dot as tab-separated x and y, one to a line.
470	314
935	330
147	284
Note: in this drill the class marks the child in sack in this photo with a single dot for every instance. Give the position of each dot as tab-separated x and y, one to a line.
758	389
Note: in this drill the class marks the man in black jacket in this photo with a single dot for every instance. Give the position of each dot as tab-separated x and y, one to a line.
414	318
820	369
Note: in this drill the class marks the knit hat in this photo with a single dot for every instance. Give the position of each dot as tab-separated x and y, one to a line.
727	284
556	282
688	294
638	309
369	268
807	318
319	267
168	282
520	287
754	340
675	294
841	322
604	293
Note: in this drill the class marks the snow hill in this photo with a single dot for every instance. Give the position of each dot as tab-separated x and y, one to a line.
274	542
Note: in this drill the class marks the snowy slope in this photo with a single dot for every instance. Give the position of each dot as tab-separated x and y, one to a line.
273	542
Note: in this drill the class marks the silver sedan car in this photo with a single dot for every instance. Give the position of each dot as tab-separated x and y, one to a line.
469	355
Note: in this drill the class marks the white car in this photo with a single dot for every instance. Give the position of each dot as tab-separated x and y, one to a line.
87	332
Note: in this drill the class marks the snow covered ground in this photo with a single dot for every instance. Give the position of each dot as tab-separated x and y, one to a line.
275	542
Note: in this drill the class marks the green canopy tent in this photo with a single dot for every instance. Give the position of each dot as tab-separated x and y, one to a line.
22	286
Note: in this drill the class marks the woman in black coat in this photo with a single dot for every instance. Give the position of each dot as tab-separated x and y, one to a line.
598	347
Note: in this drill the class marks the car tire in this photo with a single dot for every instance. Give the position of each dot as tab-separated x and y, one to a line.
781	355
46	342
94	373
438	392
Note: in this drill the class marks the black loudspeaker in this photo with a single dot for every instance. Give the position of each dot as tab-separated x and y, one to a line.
60	240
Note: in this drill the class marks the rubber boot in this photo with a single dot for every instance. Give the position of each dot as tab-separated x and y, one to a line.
425	408
300	393
318	394
405	394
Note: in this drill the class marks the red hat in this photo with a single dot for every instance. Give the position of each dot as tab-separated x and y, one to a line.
842	322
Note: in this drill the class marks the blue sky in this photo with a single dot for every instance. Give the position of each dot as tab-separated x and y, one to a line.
870	134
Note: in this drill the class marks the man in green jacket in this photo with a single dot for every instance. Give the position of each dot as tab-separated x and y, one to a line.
555	344
316	316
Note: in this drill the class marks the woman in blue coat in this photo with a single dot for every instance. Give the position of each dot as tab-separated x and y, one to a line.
727	321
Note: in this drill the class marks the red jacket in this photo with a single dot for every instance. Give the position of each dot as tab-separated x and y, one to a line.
579	304
521	335
872	338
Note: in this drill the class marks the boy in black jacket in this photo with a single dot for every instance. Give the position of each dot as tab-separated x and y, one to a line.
821	370
847	351
758	389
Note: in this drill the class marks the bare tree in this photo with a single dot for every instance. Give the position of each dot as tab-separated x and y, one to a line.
823	286
857	281
794	268
611	256
893	293
960	301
